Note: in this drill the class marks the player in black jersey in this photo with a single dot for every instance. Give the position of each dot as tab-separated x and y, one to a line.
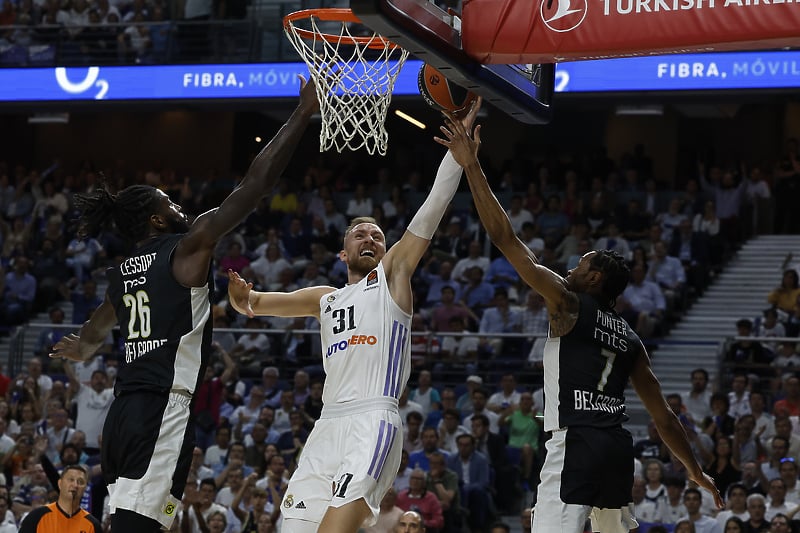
161	297
590	354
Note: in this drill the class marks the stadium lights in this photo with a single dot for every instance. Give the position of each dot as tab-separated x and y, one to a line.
410	119
640	110
49	118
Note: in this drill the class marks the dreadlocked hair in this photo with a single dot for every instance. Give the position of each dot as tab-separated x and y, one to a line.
130	210
616	273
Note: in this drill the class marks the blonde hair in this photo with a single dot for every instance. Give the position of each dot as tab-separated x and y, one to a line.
355	222
218	513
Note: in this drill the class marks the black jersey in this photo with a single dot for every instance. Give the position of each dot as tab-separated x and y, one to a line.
166	327
586	370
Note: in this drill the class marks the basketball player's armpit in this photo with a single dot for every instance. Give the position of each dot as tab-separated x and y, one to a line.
560	324
564	317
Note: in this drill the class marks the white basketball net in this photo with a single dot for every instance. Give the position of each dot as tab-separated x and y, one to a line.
354	85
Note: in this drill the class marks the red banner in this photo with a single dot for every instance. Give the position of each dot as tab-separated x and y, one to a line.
547	31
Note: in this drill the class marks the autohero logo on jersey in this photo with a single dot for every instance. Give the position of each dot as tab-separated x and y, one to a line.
354	340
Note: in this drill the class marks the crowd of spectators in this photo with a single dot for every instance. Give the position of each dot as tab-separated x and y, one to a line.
747	436
472	440
101	32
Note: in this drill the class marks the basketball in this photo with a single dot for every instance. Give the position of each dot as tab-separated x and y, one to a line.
440	93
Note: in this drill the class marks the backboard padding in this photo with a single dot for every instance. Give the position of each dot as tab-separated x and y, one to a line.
433	36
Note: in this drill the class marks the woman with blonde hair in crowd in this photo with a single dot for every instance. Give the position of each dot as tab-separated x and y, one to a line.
656	491
217	522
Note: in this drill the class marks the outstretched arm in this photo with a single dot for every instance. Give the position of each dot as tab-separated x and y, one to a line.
549	284
302	302
402	259
190	263
669	427
91	336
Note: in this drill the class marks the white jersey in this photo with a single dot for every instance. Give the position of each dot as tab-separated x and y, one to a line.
366	342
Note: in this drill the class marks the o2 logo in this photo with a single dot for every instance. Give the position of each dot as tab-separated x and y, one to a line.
562	80
89	81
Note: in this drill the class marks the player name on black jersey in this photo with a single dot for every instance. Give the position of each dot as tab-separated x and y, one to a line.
593	401
137	264
611	331
136	349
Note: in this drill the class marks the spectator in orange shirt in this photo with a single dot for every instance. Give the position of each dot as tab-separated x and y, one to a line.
790	404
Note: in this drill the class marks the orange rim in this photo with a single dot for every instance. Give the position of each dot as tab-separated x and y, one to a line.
336	15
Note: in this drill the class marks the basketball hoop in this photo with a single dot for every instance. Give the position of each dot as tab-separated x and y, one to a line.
354	75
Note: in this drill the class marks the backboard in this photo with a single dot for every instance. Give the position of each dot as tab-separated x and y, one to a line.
434	36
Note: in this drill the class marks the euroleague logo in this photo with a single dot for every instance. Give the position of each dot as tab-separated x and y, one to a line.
563	15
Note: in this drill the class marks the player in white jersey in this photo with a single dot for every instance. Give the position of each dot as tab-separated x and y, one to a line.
371	360
353	452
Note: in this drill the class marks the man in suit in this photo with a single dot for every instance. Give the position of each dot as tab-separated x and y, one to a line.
490	444
474	482
493	446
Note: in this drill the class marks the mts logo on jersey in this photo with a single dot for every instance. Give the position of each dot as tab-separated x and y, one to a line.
611	331
352	341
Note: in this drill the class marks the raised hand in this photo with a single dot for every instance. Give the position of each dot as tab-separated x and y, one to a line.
457	139
40	445
239	293
308	94
469	118
68	347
